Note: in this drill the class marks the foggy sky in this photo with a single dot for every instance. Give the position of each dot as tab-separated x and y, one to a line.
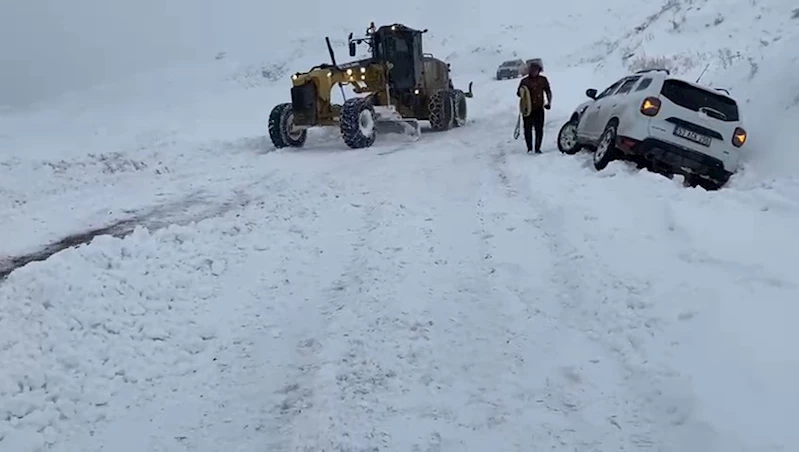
51	46
48	47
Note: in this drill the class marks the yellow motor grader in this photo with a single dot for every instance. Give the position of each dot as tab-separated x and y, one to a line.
396	87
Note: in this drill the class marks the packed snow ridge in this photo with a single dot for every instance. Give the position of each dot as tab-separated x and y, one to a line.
448	294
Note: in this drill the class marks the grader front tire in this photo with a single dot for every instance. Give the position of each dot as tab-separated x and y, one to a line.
281	128
358	123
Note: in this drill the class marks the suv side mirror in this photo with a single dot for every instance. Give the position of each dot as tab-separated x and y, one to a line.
352	45
591	93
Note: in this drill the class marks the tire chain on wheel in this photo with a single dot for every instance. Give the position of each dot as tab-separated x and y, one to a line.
278	130
442	110
459	97
350	123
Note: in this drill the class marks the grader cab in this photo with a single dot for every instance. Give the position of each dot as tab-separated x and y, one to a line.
397	86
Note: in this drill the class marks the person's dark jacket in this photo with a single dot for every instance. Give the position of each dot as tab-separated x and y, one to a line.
538	85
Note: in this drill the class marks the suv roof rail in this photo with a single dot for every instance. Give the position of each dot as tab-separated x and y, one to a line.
723	91
659	69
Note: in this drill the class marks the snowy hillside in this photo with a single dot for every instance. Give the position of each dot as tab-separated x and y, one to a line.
450	294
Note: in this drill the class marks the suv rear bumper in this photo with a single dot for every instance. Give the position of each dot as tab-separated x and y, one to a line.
676	159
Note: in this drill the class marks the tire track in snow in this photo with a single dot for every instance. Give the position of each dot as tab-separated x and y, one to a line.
444	331
273	394
564	373
420	347
653	411
470	343
492	356
335	396
193	208
263	298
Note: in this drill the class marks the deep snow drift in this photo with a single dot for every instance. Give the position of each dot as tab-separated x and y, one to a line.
449	294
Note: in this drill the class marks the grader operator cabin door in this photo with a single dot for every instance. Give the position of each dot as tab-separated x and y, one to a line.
399	51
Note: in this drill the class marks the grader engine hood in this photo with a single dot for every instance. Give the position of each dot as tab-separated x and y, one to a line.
311	91
359	71
358	64
355	72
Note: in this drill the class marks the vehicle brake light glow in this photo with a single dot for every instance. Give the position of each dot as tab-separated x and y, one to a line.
739	137
650	106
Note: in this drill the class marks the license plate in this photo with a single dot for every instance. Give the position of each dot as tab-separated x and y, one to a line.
704	140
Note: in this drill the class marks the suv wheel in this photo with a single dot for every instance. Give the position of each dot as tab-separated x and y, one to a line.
567	138
606	149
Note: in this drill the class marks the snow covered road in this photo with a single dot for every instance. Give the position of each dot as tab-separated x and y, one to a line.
454	295
448	295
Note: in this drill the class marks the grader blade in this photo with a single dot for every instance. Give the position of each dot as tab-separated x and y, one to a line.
407	127
388	120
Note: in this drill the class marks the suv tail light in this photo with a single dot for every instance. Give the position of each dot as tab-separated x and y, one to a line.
739	137
650	106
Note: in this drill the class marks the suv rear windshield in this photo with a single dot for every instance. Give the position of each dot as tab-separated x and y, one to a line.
694	98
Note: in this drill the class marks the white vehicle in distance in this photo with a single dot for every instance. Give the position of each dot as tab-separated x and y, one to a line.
668	124
511	69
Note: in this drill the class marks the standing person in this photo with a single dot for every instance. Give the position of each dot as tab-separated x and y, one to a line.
537	85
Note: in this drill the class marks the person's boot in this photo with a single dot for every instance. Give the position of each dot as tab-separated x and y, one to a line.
537	151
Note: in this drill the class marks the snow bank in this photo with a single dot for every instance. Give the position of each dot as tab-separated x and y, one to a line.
79	329
94	337
772	111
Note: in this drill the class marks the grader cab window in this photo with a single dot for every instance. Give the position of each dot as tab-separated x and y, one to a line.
399	49
393	46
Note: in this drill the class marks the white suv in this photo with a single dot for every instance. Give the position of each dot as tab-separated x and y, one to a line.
671	125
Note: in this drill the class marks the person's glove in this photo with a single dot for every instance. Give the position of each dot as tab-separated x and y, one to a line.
547	106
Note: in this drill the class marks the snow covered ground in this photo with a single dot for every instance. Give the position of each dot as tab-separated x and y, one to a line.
451	294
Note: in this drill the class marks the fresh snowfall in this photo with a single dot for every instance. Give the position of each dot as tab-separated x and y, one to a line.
169	281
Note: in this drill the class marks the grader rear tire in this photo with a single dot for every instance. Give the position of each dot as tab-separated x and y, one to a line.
442	110
461	110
